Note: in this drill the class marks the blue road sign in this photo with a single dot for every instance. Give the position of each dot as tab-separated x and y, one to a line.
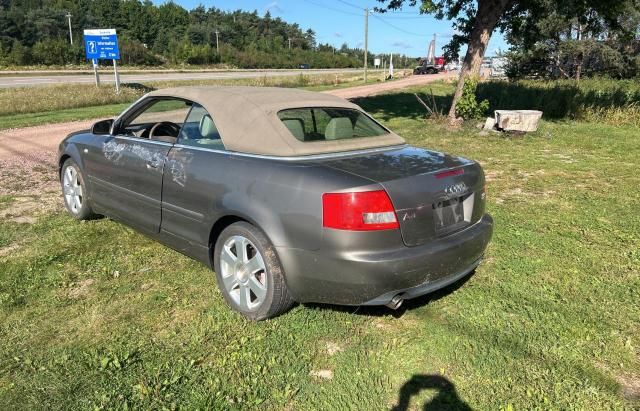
101	44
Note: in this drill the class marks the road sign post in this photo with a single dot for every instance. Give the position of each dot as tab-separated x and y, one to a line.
102	44
94	62
117	77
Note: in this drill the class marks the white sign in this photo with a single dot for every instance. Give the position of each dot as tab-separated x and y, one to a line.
376	62
100	32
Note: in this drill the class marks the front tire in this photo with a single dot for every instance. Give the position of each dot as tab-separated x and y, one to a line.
74	191
249	273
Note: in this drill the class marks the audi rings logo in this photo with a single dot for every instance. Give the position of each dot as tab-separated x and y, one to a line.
455	189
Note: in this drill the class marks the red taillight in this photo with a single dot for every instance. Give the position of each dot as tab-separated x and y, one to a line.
362	211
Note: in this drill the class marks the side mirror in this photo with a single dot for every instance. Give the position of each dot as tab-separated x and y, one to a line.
102	127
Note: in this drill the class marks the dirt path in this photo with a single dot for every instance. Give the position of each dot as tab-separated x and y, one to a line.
28	155
378	88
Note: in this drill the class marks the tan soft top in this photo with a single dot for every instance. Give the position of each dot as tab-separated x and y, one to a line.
247	119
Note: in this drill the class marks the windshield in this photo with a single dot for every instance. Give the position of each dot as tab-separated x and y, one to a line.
327	123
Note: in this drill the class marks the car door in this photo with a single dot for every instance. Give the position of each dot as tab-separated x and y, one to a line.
126	176
197	158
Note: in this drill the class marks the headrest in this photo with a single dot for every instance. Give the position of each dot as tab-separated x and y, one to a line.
295	126
338	127
207	128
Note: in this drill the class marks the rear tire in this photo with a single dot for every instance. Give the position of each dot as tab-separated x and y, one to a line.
74	191
249	274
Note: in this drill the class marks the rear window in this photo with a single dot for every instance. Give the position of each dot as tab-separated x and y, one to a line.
326	123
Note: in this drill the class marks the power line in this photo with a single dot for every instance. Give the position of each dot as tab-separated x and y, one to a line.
420	17
398	28
332	8
415	15
350	4
403	12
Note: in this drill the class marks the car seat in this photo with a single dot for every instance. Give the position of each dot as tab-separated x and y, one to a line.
338	128
295	126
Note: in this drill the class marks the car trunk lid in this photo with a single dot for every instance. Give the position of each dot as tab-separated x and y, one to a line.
434	194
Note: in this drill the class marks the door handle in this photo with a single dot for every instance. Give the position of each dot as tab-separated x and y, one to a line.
153	164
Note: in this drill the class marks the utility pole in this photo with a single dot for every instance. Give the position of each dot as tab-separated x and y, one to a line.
289	43
366	41
217	49
68	16
434	48
431	51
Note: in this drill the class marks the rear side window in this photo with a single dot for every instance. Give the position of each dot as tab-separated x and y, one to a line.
200	130
327	123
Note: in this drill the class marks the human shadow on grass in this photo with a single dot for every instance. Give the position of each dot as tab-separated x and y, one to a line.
407	305
446	397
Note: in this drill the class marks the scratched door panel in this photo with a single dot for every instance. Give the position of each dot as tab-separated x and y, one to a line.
194	182
128	179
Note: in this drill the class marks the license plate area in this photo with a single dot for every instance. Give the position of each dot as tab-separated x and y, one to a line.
452	214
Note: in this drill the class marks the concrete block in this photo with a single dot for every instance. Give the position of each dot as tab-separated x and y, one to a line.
489	124
518	120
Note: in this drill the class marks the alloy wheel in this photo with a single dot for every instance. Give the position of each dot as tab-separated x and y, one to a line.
72	189
243	273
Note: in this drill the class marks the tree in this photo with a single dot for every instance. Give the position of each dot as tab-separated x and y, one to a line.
36	32
475	20
559	41
475	24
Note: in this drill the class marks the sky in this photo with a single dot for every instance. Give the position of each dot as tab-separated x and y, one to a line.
339	21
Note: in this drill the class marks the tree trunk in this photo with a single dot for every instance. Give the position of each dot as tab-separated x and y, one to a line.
579	63
487	16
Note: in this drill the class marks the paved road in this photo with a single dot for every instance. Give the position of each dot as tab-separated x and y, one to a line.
107	77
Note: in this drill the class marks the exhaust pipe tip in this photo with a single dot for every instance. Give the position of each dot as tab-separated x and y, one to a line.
395	302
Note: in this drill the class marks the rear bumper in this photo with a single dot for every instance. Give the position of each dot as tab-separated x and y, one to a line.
374	278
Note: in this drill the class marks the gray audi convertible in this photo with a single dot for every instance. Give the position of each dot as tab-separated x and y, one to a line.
287	195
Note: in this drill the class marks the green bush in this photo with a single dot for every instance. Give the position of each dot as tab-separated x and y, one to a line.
56	52
18	55
468	106
133	52
184	52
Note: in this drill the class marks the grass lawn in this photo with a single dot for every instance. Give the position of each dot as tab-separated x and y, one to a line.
94	315
61	116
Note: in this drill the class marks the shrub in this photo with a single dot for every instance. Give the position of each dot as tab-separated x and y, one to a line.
133	52
468	106
53	52
19	54
185	52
